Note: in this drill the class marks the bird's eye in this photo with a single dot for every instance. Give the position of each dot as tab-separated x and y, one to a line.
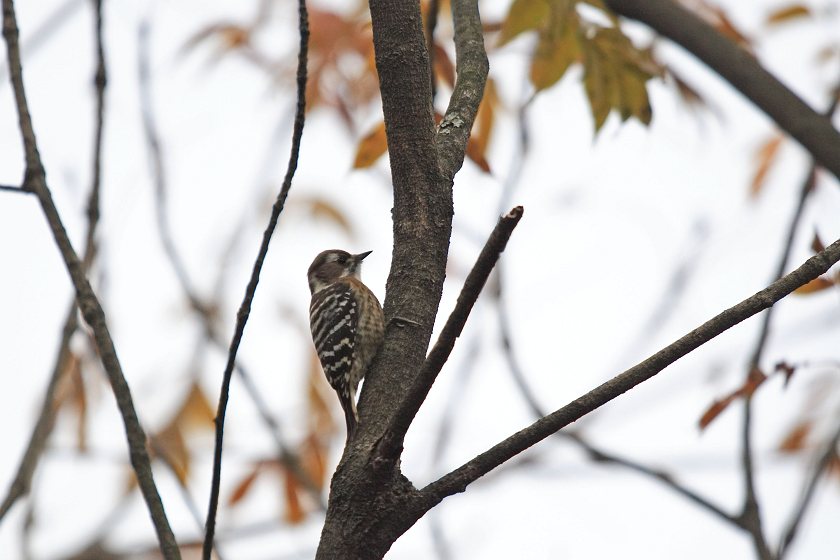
342	259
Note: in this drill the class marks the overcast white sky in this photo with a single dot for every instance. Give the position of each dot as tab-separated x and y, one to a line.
608	221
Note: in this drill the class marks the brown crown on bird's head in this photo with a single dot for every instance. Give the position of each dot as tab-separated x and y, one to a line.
331	265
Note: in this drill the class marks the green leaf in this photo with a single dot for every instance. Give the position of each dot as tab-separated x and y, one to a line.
523	15
558	46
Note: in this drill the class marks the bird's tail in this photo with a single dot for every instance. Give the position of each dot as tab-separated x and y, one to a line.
351	417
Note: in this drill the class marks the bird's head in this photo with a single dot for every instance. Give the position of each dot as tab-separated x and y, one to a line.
331	265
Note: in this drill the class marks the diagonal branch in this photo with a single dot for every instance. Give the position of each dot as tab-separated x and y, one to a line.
813	131
85	297
460	478
471	68
250	290
391	443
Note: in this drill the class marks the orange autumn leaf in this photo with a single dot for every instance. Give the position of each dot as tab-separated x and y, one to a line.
766	156
818	284
371	147
244	486
795	439
294	513
754	380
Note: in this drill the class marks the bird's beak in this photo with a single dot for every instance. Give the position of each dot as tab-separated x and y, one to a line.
361	256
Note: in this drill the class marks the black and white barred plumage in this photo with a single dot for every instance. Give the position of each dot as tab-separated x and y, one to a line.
347	324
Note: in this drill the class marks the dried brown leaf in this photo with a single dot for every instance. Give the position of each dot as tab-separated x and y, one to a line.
371	147
754	380
444	69
294	513
765	157
787	13
195	411
796	438
817	245
818	284
785	369
169	445
322	208
244	485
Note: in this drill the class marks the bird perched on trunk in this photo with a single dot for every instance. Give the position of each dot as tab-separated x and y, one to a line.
347	324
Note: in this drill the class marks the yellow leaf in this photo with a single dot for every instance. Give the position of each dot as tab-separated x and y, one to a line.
615	76
598	83
195	411
371	147
788	13
558	46
523	16
169	445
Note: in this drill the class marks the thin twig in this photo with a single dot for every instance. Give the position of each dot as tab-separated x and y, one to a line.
751	511
460	478
245	308
444	436
85	296
824	460
19	190
158	171
202	307
391	443
594	453
22	482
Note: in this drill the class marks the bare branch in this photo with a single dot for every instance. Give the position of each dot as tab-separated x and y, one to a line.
813	131
391	443
459	479
85	296
22	483
19	190
751	512
250	290
830	452
471	68
202	307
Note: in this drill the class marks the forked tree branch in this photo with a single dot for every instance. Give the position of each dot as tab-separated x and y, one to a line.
245	308
22	482
813	131
457	480
391	444
471	69
85	297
